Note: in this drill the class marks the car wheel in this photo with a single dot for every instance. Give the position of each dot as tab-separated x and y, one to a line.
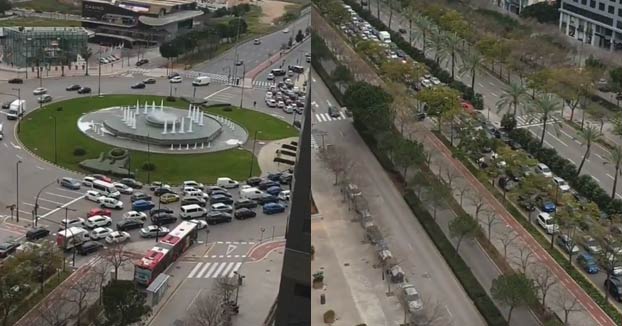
102	206
109	224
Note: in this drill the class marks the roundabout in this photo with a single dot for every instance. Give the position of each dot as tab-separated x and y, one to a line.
70	132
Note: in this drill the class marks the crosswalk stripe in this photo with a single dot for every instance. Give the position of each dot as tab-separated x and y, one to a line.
343	115
326	117
226	270
223	265
211	270
235	269
207	265
194	270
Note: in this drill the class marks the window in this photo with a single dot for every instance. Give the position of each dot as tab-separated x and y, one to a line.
601	6
583	2
620	12
611	10
592	3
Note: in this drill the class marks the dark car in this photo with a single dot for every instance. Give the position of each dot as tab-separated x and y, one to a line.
138	86
73	87
286	178
267	184
193	201
70	183
142	205
160	210
209	189
163	218
614	285
274	176
588	263
221	193
253	181
333	112
527	202
37	233
8	248
221	199
401	30
547	205
139	196
16	81
173	75
89	247
245	203
267	198
161	191
129	224
84	90
244	213
149	81
141	62
7	104
132	183
218	217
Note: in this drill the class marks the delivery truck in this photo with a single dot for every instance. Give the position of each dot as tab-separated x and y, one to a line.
71	237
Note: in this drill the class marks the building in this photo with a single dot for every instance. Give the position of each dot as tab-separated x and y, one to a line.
594	22
42	46
293	304
515	6
145	22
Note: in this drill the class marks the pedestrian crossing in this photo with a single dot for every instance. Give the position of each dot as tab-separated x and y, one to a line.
325	117
214	269
534	119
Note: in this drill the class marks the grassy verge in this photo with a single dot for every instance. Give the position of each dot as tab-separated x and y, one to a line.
271	128
50	6
37	134
39	22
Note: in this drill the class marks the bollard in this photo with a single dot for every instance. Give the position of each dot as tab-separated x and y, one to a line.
322	298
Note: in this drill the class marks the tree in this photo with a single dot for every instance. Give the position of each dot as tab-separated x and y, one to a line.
525	258
435	42
115	255
615	156
225	287
407	154
478	201
450	46
616	78
463	226
300	36
425	26
491	220
124	303
399	71
208	310
512	97
78	293
589	135
5	5
543	12
507	238
508	122
545	106
514	290
568	303
443	102
436	196
14	279
342	74
86	53
544	280
471	62
370	106
54	312
337	161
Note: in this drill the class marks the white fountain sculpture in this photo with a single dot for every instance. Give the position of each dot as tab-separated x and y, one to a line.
173	129
202	145
162	105
201	119
171	147
187	146
128	121
198	113
189	110
165	125
179	147
190	126
145	106
137	105
195	146
181	128
124	114
134	122
153	107
209	144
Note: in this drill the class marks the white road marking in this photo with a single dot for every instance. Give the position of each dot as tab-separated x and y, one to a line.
559	140
207	265
19	157
571	161
602	158
50	201
72	191
224	89
61	207
313	79
57	195
15	146
617	194
40	168
40	207
193	299
223	265
211	270
491	84
343	115
194	270
493	94
230	248
595	178
235	269
609	175
226	270
481	85
328	102
565	133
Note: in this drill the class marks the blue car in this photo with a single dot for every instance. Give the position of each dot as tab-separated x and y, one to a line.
274	190
274	176
548	207
70	183
142	205
588	263
273	208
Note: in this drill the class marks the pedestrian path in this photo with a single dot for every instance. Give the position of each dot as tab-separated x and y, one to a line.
214	269
534	119
325	117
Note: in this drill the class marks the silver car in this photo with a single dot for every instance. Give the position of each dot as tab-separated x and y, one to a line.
412	298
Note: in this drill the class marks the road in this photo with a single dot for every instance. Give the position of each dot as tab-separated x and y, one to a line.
406	237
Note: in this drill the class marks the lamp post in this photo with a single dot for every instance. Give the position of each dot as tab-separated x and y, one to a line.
243	73
237	288
148	160
17	189
36	208
99	74
194	92
55	151
250	173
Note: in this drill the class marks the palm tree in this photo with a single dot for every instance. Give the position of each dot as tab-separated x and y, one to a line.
512	97
450	45
411	13
436	43
425	25
545	105
86	53
471	62
615	156
390	13
589	134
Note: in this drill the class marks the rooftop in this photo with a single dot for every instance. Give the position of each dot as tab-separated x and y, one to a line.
163	3
170	18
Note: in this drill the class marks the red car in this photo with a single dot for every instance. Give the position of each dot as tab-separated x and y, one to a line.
102	178
99	211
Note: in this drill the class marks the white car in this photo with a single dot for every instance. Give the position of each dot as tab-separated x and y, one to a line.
435	81
547	223
99	233
103	60
220	207
544	170
97	221
284	195
88	181
194	184
117	237
176	80
134	215
270	76
201	224
561	184
107	202
271	103
426	83
39	91
152	230
92	195
71	222
124	189
288	109
280	104
286	30
269	95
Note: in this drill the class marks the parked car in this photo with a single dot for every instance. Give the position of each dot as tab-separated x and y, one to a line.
267	184
193	200
99	211
8	248
134	215
162	190
107	202
614	285
39	91
245	203
126	225
92	195
16	81
132	183
561	184
84	90
139	195
273	208
201	224
244	213
97	221
547	205
274	190
412	298
44	98
543	169
71	222
221	199
220	207
221	193
176	80
117	237
140	85
588	263
100	233
70	183
142	205
149	81
266	199
73	87
564	241
102	177
547	222
163	218
89	247
218	217
151	231
169	198
160	210
37	233
123	188
591	245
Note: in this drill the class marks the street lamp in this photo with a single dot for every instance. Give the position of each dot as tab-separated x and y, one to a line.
243	73
250	173
17	188
237	288
36	208
99	74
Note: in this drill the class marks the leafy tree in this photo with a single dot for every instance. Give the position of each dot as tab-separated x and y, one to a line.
616	78
5	5
14	286
86	53
589	135
238	26
436	43
335	12
514	290
437	195
426	26
398	71
615	156
471	62
369	105
545	106
407	154
169	50
443	102
342	74
371	49
299	36
463	226
124	303
543	12
508	122
512	97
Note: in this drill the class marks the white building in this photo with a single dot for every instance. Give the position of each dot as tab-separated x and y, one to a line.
594	22
515	6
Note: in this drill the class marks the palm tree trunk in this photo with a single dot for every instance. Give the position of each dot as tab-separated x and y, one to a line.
473	79
378	11
451	137
587	152
453	63
515	109
615	182
424	39
546	117
439	123
410	31
390	13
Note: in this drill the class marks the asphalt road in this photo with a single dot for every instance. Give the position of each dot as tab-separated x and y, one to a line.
295	57
406	237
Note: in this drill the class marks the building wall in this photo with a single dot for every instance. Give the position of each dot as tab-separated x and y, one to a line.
46	47
594	22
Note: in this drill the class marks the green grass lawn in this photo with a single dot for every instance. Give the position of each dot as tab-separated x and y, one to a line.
39	22
50	5
37	133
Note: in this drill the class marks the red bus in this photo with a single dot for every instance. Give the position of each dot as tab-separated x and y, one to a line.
168	249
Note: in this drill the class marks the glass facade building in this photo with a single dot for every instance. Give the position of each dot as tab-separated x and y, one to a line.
43	46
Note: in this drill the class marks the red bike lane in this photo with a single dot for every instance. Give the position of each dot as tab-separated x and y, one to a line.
569	283
262	250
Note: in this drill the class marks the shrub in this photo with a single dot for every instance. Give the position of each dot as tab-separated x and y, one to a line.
228	108
171	99
329	317
149	167
79	151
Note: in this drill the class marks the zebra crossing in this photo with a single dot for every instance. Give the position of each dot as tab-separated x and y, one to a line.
534	119
325	117
214	269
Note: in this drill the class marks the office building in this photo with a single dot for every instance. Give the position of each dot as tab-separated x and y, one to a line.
42	46
594	22
515	6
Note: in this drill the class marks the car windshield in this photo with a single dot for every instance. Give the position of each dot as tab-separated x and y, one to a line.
4	246
545	169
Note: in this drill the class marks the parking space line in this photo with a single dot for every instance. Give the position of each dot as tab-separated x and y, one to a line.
61	196
50	201
61	207
40	207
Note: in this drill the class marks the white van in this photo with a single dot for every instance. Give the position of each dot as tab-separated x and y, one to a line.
107	189
195	193
201	81
16	109
250	193
227	183
192	211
